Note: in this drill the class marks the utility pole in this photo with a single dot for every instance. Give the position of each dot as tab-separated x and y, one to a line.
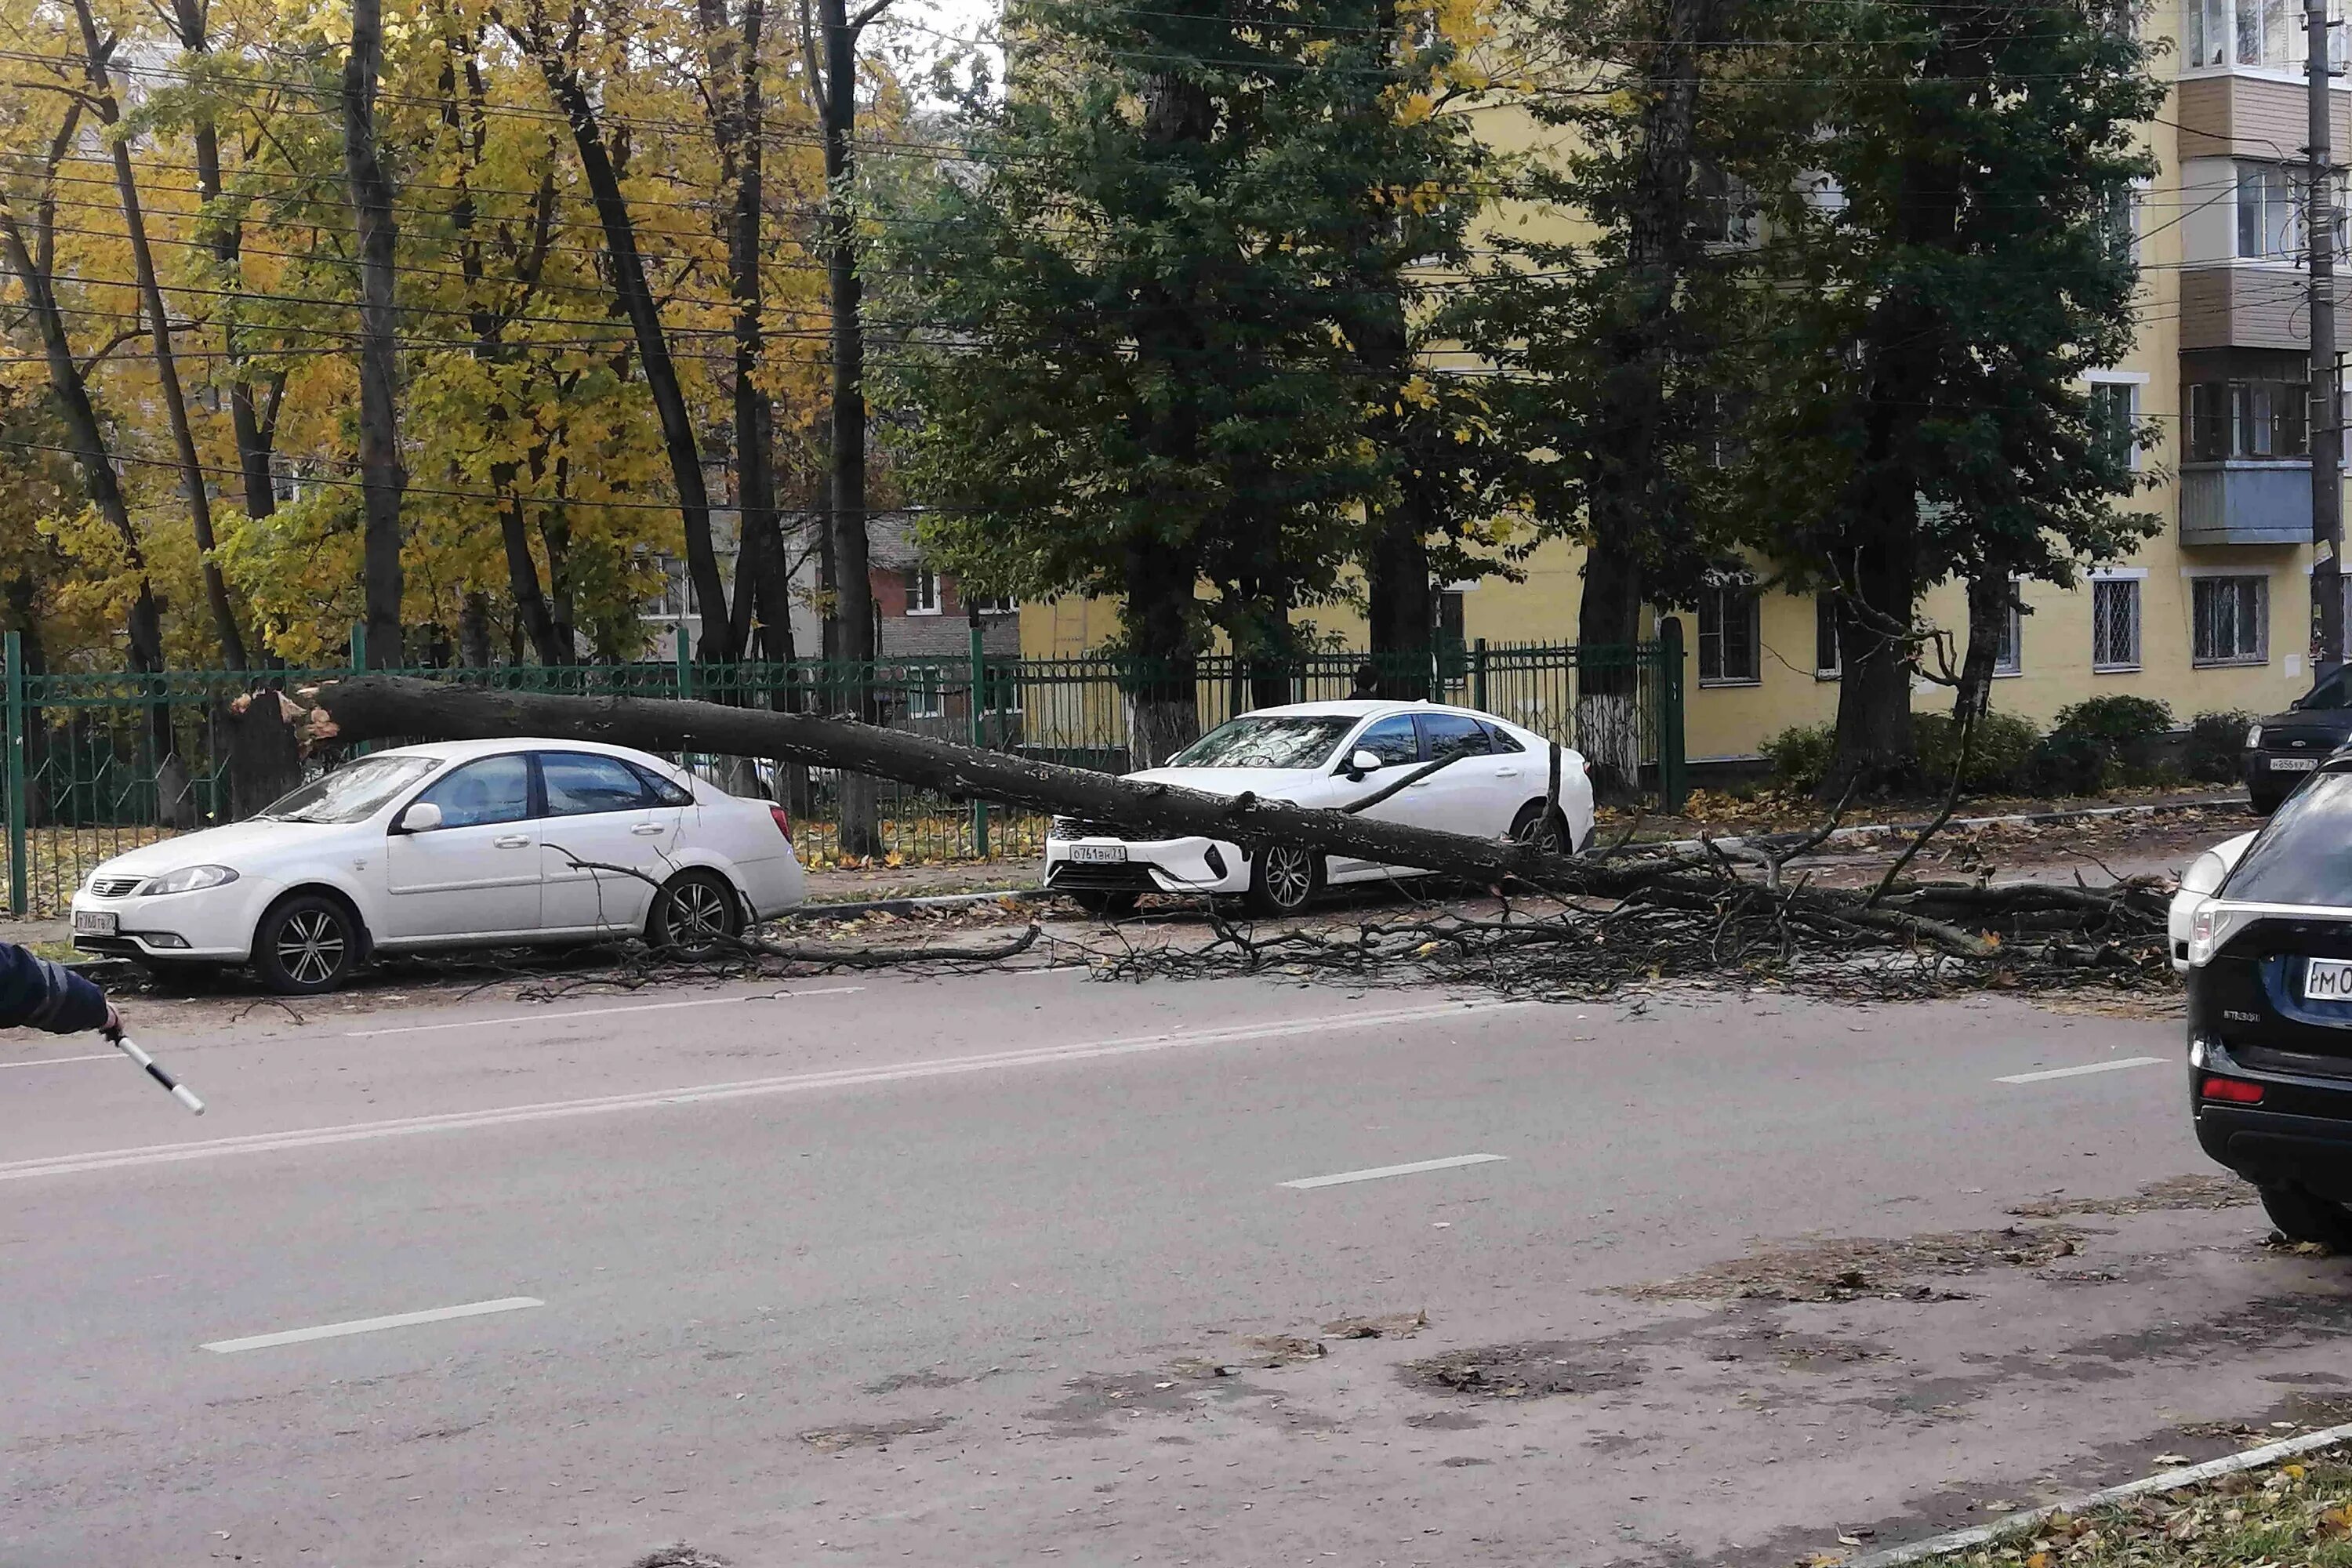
2327	401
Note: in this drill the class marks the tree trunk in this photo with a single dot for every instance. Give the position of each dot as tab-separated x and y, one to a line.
194	489
1164	708
264	758
474	631
1607	685
679	439
1875	656
33	260
382	477
1991	593
522	582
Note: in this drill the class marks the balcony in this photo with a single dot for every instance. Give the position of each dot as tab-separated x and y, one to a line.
2247	501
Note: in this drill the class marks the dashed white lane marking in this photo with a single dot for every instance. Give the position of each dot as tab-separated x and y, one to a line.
699	1094
60	1061
370	1325
597	1011
1377	1171
2084	1070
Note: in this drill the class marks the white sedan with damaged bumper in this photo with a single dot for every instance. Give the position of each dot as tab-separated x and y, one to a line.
461	844
1494	785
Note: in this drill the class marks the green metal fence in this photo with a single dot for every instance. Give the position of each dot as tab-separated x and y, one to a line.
100	763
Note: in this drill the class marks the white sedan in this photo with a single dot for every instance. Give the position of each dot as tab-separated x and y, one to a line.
2204	877
1328	754
459	844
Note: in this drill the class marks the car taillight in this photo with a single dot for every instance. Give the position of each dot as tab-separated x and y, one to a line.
783	821
2231	1090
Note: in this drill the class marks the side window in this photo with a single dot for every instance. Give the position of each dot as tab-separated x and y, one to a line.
1499	741
669	791
579	783
1392	740
495	789
1450	735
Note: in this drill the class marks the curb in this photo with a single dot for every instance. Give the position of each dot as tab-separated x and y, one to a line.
2013	819
2162	1481
908	906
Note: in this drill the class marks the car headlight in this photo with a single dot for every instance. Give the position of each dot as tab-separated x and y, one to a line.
2253	737
187	879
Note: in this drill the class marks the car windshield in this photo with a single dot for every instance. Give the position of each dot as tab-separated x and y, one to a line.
352	793
2304	853
1260	740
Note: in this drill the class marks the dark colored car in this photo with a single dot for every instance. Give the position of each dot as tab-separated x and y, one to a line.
2269	1013
2284	749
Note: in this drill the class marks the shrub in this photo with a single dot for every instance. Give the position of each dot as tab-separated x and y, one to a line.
2104	741
2215	741
1801	756
1998	751
2067	765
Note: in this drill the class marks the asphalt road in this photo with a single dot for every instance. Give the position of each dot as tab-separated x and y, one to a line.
999	1269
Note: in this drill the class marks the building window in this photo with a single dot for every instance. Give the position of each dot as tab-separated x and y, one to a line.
2265	33
2115	412
1825	638
1002	604
2237	419
924	687
2009	658
2267	221
2231	620
2114	623
2123	204
1729	645
922	591
1730	214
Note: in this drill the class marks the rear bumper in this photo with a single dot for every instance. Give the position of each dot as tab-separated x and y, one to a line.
2300	1135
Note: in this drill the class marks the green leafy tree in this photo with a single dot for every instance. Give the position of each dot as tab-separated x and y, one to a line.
1156	289
1943	265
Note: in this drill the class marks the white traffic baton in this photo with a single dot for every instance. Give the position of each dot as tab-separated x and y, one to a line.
180	1091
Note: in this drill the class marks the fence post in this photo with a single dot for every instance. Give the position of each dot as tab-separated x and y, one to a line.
1478	675
1672	785
359	646
17	814
685	662
979	734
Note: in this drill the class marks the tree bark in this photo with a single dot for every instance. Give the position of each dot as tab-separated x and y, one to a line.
1991	596
382	476
679	439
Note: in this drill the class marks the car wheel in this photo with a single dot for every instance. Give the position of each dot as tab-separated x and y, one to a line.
2301	1216
1547	830
307	946
1283	878
696	915
1106	903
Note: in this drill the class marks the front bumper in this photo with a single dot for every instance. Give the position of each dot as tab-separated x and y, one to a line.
212	924
2264	778
2300	1135
1152	866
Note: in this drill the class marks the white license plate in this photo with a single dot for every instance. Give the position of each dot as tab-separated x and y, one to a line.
96	922
1098	854
2328	980
2293	765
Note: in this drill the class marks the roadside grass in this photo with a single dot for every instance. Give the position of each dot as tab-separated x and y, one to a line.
2292	1516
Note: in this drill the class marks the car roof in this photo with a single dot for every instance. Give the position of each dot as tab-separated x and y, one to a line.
465	751
1365	708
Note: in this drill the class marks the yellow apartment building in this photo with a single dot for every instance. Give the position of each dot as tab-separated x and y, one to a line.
2211	614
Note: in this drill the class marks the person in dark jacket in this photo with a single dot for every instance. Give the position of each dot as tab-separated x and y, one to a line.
36	993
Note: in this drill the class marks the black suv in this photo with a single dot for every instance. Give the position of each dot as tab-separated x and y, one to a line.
2269	1013
2284	749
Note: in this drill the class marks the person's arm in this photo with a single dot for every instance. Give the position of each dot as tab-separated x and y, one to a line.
36	993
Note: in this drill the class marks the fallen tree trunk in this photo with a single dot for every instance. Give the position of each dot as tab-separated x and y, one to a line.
384	707
1739	912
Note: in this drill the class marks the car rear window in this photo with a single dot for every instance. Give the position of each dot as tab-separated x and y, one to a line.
580	783
2304	854
1451	735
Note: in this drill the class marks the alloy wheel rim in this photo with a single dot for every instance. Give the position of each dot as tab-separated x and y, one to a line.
1288	876
310	947
698	915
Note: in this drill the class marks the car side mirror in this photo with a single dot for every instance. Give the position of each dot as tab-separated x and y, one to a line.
422	817
1360	763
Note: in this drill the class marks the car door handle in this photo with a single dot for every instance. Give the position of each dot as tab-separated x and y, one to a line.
1423	784
1506	773
648	830
511	841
